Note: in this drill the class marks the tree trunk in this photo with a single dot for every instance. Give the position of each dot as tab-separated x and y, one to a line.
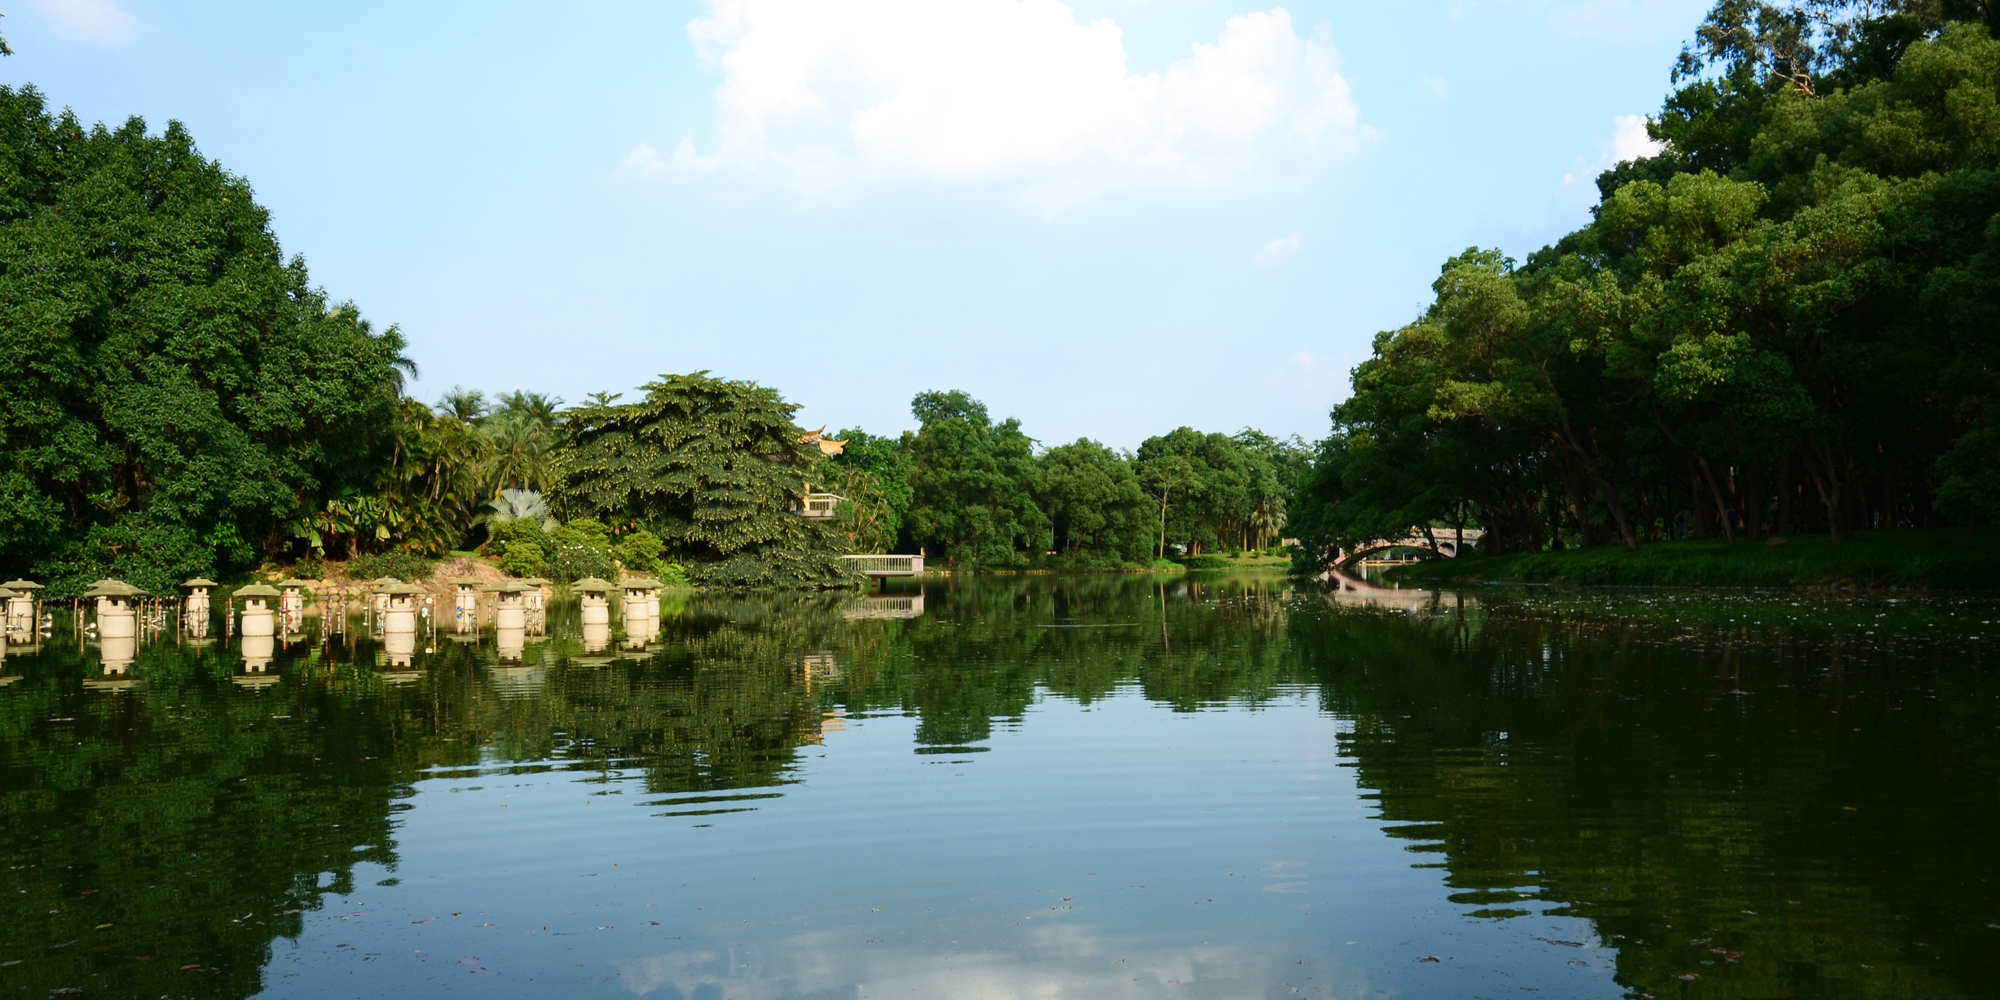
1721	502
1826	478
1785	493
1579	505
1751	499
1604	487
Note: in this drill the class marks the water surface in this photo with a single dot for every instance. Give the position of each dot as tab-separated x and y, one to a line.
1042	786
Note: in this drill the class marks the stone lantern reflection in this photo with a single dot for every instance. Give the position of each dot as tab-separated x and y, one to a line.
117	624
259	625
21	609
194	609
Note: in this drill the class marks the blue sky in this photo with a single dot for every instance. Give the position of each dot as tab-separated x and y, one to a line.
1108	218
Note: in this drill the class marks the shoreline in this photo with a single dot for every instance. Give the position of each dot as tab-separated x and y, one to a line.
1877	559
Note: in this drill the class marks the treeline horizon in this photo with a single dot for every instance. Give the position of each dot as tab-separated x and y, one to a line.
1783	321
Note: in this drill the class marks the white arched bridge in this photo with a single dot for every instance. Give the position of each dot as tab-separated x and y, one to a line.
1447	545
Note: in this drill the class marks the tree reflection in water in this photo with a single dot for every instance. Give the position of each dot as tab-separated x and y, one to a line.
1774	809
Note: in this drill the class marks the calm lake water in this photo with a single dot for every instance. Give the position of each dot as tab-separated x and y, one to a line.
1040	786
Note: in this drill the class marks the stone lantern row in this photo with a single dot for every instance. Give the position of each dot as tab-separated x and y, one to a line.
518	607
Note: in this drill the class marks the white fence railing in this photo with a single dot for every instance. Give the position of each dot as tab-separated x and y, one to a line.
881	565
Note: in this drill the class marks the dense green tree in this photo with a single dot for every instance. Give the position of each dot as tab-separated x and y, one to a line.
872	475
971	483
1782	321
1096	508
174	394
1210	489
715	468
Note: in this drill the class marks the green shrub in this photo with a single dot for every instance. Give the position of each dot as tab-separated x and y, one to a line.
309	568
673	574
1208	562
399	565
640	552
580	548
520	531
523	559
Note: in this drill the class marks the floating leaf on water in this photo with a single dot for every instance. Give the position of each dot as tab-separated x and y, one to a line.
1689	976
1565	944
12	961
1430	958
190	968
468	961
426	920
1578	961
100	927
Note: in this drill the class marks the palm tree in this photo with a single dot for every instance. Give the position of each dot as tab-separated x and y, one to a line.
523	449
1268	521
536	406
520	505
468	405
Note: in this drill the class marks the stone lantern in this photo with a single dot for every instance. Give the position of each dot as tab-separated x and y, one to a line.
535	603
378	590
117	624
399	622
259	626
400	614
21	606
510	618
194	610
292	602
641	598
596	612
5	596
465	606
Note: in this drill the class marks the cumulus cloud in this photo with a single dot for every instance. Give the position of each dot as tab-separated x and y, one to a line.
1629	140
97	21
828	92
1276	252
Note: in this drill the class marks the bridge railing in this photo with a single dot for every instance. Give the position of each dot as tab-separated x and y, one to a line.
886	565
821	504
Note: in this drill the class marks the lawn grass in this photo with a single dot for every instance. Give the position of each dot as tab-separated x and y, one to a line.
1902	557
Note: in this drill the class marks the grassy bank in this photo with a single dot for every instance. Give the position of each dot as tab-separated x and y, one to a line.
1902	557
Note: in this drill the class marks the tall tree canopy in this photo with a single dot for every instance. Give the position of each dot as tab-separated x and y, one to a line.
1784	319
971	482
173	392
715	468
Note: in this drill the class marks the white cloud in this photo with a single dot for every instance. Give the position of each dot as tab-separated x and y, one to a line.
1276	252
1629	140
827	92
97	21
1436	85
